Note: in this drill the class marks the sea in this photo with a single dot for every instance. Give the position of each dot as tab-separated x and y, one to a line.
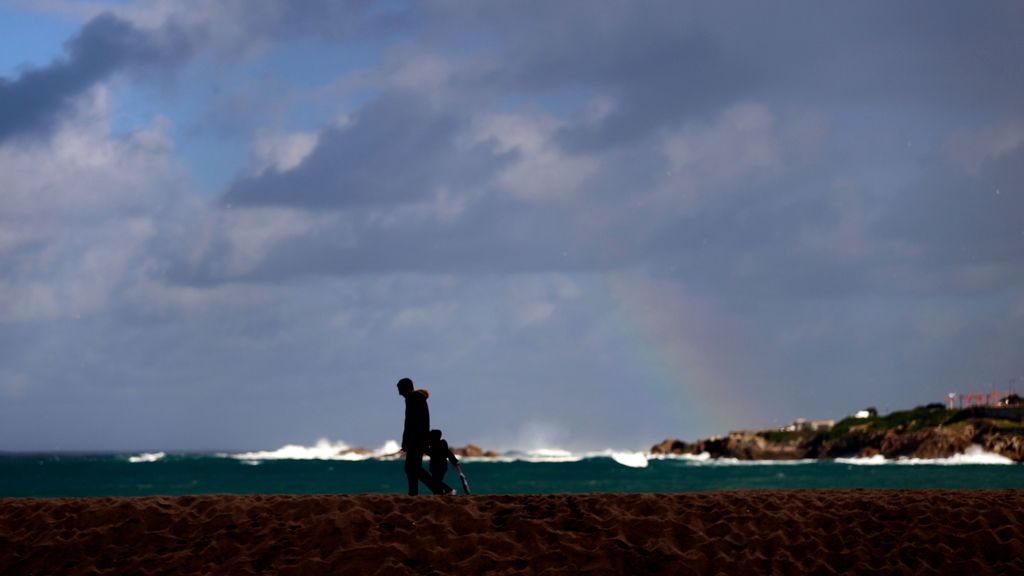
334	469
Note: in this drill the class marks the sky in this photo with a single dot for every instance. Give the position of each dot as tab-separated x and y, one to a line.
582	225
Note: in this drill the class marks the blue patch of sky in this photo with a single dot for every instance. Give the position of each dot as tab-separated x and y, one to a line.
309	67
283	86
31	38
310	63
211	158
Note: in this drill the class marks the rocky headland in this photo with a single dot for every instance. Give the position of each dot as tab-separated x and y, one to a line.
925	432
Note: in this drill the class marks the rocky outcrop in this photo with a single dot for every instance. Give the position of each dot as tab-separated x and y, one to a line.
474	451
859	441
755	446
673	446
937	442
1009	444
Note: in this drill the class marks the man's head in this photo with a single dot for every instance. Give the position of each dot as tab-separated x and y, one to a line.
404	386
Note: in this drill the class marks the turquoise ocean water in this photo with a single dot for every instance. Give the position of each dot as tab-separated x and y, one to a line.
76	475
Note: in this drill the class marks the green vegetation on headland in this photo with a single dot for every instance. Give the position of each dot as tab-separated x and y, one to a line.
931	431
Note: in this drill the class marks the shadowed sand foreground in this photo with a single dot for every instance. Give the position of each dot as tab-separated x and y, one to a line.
764	532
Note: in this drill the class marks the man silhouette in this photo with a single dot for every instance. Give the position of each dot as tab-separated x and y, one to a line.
415	434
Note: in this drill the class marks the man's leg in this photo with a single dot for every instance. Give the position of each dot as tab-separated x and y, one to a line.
413	468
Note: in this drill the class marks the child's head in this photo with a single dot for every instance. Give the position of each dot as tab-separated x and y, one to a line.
435	435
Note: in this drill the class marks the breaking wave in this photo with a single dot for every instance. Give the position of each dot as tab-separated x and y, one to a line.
147	457
705	459
324	449
558	456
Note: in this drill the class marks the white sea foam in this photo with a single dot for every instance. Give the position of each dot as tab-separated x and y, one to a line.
975	454
545	455
558	455
389	451
875	460
702	457
147	457
324	449
630	459
705	459
738	462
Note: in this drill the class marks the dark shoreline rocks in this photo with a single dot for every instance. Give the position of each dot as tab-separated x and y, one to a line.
474	451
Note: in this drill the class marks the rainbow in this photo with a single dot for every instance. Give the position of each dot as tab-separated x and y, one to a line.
677	339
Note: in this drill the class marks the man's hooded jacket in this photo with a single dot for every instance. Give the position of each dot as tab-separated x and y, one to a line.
417	421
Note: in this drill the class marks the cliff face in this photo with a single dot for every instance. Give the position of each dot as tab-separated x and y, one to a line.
910	440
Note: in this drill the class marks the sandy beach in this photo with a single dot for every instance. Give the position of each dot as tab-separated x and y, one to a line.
764	532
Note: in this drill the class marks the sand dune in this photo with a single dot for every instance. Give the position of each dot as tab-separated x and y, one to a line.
762	532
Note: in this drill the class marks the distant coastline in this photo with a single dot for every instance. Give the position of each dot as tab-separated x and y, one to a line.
932	431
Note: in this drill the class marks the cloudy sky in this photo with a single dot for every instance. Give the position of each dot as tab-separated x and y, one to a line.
236	225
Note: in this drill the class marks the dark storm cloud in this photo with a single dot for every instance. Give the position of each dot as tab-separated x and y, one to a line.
36	100
326	18
923	57
397	149
657	69
966	228
664	63
107	44
658	63
660	67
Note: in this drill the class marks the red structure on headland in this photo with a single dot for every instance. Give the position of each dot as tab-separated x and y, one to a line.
991	399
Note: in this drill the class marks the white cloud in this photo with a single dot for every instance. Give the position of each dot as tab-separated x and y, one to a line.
432	316
540	172
703	161
253	232
162	299
281	152
84	171
442	207
971	149
536	299
535	312
420	73
77	212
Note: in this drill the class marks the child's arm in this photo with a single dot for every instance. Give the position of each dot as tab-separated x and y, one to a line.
452	458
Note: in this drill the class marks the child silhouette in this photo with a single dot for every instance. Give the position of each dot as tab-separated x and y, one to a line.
440	455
